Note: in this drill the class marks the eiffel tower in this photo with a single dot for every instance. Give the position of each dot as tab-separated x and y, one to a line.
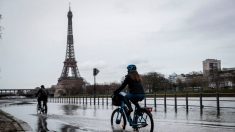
70	79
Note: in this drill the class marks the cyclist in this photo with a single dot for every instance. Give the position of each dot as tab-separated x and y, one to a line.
42	96
136	91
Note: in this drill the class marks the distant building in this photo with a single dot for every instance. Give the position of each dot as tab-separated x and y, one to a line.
174	77
227	77
218	78
211	65
229	69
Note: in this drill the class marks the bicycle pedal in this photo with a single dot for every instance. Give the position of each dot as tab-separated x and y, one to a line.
134	126
144	125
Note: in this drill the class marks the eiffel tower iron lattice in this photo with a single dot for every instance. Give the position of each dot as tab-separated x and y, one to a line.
70	81
70	64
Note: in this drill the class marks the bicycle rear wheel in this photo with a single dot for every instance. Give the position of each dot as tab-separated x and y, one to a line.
145	121
118	120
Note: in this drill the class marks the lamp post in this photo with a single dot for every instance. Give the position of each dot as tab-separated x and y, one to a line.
95	72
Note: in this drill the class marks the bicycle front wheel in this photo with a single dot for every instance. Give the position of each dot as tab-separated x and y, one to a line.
145	121
118	120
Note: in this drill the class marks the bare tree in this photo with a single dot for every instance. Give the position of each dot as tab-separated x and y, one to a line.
195	81
154	81
180	84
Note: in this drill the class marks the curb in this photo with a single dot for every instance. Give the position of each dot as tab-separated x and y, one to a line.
20	125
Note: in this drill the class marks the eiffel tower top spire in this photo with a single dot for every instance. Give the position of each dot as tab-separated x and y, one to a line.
70	9
70	69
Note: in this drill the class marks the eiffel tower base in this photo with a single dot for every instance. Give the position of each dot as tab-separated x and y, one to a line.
69	87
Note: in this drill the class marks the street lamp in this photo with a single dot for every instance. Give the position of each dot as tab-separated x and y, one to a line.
95	72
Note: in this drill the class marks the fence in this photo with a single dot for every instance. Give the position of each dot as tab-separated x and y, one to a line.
83	99
152	99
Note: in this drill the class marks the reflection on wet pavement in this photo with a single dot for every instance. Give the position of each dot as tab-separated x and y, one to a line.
68	128
42	123
77	118
70	109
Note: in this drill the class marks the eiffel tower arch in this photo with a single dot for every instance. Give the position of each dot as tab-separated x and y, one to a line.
70	81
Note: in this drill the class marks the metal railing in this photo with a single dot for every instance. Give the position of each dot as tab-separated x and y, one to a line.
152	99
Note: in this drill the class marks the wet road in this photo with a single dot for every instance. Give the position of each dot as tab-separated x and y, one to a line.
75	117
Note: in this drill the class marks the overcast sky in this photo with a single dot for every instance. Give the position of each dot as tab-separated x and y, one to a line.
163	36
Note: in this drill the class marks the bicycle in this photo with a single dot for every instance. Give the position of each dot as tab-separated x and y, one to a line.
142	118
42	110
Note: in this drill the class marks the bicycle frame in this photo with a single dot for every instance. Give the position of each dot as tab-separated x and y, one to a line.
128	117
41	110
140	119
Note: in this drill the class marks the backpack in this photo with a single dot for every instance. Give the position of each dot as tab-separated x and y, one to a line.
116	100
43	93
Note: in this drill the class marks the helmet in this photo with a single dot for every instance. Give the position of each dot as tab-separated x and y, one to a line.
131	67
42	86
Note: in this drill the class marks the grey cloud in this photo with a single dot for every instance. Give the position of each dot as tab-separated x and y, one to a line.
157	35
215	19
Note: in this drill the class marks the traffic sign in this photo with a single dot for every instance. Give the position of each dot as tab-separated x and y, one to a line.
95	71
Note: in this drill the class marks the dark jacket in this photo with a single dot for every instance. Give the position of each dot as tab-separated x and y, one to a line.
135	87
42	94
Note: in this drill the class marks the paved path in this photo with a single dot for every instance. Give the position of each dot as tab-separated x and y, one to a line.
77	117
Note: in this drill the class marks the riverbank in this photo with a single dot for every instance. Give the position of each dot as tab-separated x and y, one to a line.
9	123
